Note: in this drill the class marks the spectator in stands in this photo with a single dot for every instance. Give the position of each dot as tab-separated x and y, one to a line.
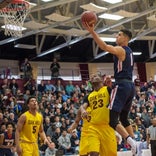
41	87
57	122
63	126
88	87
17	110
77	89
59	86
58	103
56	135
75	98
19	92
132	113
64	109
65	97
46	123
151	137
46	112
82	88
74	142
13	86
67	122
55	68
144	88
137	134
140	126
50	87
26	95
51	150
29	85
142	99
137	95
146	118
7	99
58	112
12	118
51	130
151	81
64	142
4	85
69	88
27	69
12	103
20	101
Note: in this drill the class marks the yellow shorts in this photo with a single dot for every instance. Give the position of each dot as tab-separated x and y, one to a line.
29	149
102	140
83	143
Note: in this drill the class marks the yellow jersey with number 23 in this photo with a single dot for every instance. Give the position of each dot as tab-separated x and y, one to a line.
98	102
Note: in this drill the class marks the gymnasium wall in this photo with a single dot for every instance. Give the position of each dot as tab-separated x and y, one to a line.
69	69
151	70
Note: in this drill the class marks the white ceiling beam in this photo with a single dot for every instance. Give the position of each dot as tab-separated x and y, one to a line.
102	30
52	4
150	10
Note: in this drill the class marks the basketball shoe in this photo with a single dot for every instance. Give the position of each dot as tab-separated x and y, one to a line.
133	145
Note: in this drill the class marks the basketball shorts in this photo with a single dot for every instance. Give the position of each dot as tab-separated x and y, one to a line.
122	96
84	143
102	140
29	149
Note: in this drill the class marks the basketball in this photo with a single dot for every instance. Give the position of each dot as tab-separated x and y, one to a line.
89	17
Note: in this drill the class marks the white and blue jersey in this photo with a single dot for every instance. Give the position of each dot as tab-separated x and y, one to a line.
124	69
123	92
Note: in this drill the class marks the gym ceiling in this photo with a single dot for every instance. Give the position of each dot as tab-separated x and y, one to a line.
53	29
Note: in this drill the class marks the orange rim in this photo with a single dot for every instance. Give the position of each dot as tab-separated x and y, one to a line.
6	9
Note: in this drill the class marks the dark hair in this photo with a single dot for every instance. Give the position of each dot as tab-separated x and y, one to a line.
28	100
10	123
127	32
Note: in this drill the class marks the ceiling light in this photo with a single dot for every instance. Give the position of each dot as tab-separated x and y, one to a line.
108	39
112	1
137	53
110	16
13	27
25	46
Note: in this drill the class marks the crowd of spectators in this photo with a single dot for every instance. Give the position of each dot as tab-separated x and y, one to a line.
59	103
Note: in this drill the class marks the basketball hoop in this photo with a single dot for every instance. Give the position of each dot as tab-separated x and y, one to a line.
14	14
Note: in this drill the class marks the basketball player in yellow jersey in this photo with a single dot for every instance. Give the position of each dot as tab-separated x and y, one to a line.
84	131
101	136
29	125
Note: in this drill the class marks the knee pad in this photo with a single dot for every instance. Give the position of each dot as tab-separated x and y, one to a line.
114	116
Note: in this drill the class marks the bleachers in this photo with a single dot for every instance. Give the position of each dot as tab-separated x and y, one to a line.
21	82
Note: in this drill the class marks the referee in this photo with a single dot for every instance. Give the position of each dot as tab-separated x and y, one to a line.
151	136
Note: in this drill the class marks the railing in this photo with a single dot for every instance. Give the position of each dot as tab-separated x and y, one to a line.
42	73
66	74
8	72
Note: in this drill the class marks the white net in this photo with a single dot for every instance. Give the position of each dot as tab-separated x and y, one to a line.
14	16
